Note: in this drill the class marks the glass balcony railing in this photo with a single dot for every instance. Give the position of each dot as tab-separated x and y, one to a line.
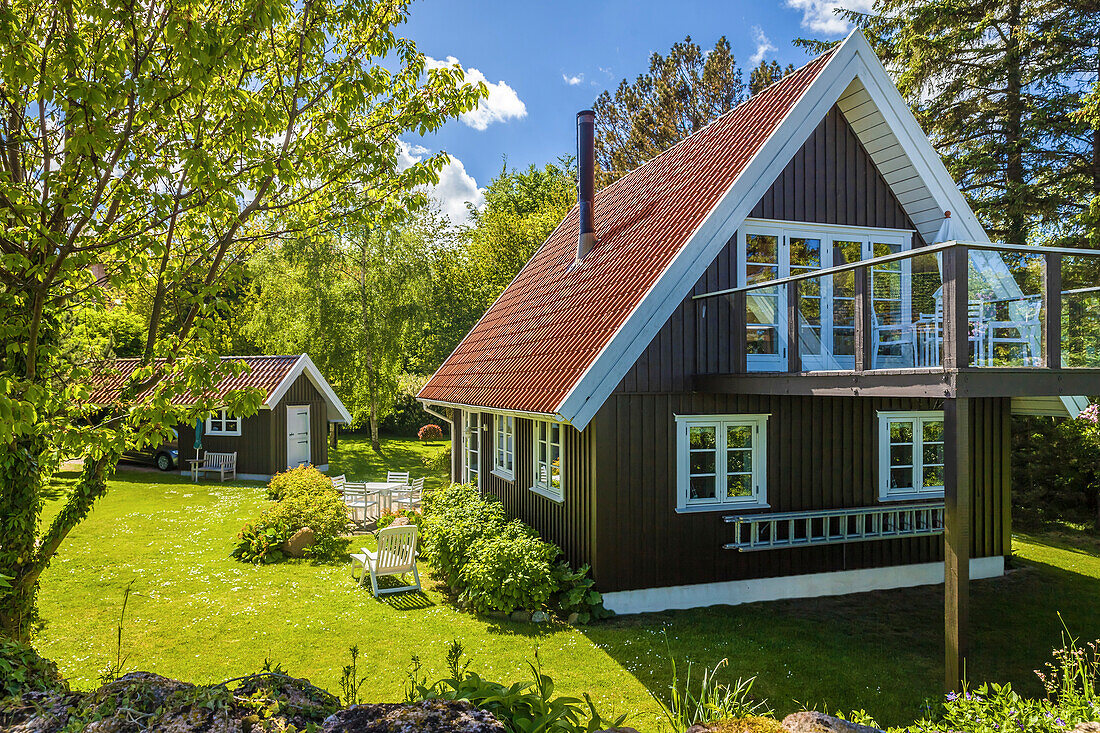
953	304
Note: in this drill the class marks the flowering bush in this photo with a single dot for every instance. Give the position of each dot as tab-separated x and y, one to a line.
430	432
303	479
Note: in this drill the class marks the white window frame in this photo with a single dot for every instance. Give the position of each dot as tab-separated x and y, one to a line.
221	417
504	447
759	497
827	234
471	454
917	418
547	488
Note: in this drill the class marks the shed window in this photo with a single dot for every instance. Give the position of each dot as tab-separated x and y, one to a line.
721	461
222	423
504	446
471	447
549	456
910	464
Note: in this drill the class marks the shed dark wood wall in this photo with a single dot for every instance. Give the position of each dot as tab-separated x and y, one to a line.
261	446
822	454
830	180
567	524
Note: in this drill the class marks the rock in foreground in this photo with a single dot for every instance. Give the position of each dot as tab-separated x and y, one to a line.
431	716
813	722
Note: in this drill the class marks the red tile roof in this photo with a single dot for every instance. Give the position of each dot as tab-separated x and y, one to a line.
265	372
536	341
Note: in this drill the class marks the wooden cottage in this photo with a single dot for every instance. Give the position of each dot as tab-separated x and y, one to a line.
777	360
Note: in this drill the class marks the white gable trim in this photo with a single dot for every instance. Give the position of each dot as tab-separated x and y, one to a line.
305	365
854	59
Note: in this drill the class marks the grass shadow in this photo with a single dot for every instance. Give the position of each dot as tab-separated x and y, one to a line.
409	601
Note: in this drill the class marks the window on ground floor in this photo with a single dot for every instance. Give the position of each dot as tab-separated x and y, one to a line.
549	458
721	461
911	455
222	423
471	447
504	446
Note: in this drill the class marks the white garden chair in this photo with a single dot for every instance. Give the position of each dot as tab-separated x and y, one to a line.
359	501
396	555
338	482
397	477
410	499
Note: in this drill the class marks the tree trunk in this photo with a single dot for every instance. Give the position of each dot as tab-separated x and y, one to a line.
20	504
1016	227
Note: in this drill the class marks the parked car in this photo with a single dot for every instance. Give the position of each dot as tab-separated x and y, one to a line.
164	456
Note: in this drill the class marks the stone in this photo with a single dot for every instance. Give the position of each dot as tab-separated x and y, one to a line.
539	617
521	616
400	522
497	614
298	542
814	722
430	716
573	618
1087	728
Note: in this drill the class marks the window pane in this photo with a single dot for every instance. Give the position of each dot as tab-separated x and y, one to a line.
740	485
933	453
901	432
933	477
901	455
738	461
702	487
703	438
739	436
702	462
901	478
933	430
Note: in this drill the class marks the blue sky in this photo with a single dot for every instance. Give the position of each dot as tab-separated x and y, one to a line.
546	60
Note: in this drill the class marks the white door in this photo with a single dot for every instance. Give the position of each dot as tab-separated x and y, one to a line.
297	435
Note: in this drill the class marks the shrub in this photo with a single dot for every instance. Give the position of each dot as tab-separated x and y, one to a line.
509	569
430	432
303	479
576	594
455	518
260	544
438	462
23	670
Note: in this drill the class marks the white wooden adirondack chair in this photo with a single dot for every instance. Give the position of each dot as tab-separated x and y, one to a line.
397	477
396	555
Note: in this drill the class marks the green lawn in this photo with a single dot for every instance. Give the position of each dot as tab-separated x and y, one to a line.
197	614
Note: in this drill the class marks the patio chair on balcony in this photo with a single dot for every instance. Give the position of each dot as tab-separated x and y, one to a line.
1022	333
890	336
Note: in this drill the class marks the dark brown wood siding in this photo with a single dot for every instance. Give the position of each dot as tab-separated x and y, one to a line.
568	524
822	454
252	445
830	180
301	392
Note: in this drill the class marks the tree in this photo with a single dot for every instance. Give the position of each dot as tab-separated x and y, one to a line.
996	97
681	93
766	74
160	142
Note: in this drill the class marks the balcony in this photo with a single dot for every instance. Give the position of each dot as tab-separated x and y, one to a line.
948	320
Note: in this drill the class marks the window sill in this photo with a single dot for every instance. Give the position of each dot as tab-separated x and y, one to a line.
912	496
547	494
216	434
501	474
696	509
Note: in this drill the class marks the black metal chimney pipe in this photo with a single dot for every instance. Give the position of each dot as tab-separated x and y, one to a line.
586	180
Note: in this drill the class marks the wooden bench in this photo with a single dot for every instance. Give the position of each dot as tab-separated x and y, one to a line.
219	463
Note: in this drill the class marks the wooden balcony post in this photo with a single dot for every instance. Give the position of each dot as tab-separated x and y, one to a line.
956	545
740	333
862	303
794	359
1052	311
956	314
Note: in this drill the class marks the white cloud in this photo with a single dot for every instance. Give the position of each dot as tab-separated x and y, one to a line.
573	80
764	45
819	15
501	105
455	187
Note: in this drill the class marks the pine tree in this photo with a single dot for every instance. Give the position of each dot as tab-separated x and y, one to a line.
681	93
766	74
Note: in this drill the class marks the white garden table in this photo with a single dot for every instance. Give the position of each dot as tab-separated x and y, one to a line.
384	490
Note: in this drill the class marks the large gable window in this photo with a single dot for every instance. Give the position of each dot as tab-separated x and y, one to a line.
547	445
223	423
721	461
504	446
910	450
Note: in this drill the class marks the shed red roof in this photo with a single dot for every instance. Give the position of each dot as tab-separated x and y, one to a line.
536	341
265	372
